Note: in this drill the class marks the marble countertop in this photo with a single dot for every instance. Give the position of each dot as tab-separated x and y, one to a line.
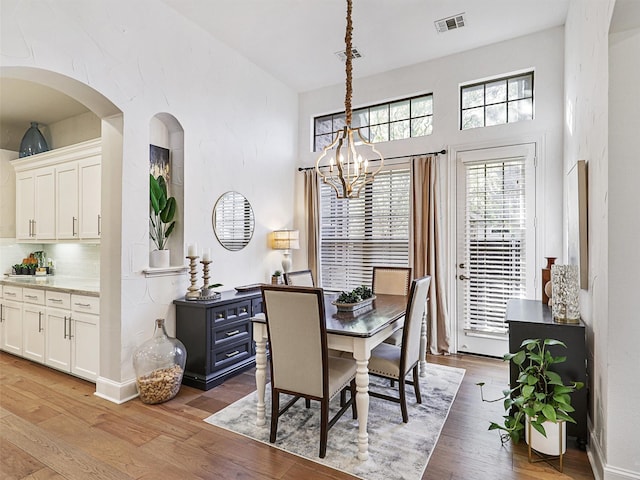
59	283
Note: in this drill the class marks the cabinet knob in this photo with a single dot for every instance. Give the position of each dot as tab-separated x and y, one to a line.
220	315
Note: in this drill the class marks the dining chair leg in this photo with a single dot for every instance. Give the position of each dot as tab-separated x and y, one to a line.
307	403
354	408
403	400
324	426
275	407
416	383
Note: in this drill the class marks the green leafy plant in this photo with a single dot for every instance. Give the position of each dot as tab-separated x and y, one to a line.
277	273
356	295
539	392
163	210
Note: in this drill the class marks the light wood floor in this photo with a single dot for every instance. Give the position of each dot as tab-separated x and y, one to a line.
53	427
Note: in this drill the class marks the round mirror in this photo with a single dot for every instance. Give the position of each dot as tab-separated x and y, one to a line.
233	221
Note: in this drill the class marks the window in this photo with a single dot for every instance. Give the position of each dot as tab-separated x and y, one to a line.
495	244
505	100
359	233
411	117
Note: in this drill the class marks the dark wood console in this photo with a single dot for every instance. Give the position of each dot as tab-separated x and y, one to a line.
218	336
533	319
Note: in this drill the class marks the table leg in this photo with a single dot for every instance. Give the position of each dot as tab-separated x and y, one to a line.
261	370
362	399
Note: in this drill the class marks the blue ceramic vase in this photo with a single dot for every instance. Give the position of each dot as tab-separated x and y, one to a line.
33	142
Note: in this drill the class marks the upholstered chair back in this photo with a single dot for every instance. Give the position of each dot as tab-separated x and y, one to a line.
301	278
391	280
297	338
413	322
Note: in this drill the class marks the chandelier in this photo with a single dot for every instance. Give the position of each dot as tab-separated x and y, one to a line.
348	170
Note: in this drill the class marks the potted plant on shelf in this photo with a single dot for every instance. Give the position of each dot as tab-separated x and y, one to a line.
161	220
276	278
540	403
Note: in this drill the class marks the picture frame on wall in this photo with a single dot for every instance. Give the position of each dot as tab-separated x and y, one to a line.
577	215
160	163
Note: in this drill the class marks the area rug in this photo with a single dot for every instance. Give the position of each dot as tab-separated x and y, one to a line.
396	450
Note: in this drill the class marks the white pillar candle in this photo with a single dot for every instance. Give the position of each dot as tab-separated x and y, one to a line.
206	255
192	250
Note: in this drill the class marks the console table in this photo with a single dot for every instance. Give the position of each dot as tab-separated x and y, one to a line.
533	319
218	336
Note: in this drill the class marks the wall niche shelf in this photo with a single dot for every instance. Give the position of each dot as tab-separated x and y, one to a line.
165	272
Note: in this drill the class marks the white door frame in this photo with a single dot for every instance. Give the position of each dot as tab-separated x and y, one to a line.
452	233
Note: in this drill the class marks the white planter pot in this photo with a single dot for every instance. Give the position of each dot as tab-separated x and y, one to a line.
159	259
555	443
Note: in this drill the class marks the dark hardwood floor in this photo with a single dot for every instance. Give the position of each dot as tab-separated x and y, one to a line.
53	427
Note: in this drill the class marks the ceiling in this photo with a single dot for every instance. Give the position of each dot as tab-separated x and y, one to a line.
296	40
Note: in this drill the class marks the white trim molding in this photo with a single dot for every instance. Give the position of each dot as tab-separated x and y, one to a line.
601	470
116	392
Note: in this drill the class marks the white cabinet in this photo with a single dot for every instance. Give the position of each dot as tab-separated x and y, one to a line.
58	193
89	181
33	320
85	336
35	204
11	320
67	200
58	327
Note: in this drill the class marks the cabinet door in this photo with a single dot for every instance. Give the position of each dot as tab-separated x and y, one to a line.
85	346
67	201
45	201
58	339
33	319
90	182
25	205
12	327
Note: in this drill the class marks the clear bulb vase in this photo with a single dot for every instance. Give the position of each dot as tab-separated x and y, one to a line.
565	291
159	365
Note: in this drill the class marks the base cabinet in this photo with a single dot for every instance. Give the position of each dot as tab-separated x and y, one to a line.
533	319
11	320
33	321
218	337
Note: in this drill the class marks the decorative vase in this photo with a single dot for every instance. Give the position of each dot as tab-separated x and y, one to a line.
546	277
159	258
564	292
159	365
33	142
555	443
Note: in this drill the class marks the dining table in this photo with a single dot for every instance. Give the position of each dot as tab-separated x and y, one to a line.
357	332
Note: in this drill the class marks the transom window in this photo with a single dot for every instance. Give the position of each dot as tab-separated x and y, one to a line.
384	122
359	233
495	102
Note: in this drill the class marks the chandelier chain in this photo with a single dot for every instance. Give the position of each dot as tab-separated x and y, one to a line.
348	67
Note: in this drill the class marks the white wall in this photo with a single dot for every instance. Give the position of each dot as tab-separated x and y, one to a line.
542	51
601	127
239	125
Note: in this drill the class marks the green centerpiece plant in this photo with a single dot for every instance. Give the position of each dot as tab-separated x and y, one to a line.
356	295
539	395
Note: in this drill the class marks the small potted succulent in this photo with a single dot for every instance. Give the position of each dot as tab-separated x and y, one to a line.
276	278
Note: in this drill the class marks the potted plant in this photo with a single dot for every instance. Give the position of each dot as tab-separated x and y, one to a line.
276	278
540	402
161	223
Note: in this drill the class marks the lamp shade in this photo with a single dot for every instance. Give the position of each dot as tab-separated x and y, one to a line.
285	240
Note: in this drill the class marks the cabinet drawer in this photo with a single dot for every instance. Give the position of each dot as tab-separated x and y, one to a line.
224	357
12	293
231	332
83	303
58	299
231	312
32	295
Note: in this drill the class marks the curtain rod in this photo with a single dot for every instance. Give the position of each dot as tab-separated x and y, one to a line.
440	152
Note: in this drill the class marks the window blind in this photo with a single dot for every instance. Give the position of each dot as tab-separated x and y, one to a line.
495	242
357	234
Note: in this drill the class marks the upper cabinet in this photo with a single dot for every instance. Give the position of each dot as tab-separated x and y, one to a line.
58	194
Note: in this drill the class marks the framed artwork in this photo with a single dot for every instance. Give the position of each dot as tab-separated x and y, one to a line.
577	209
159	163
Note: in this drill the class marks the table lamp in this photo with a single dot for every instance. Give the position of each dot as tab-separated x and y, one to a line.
285	240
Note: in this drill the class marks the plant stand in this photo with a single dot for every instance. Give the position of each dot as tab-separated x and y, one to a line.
543	457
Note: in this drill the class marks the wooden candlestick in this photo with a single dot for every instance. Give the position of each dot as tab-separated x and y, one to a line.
205	272
193	292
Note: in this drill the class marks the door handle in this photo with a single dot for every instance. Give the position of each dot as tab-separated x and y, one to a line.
464	277
462	265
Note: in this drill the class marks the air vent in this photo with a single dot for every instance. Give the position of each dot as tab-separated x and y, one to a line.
342	56
450	23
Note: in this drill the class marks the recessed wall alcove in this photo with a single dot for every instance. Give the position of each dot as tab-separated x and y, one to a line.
165	131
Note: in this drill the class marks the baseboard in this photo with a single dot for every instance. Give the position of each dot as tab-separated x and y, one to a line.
602	471
116	392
